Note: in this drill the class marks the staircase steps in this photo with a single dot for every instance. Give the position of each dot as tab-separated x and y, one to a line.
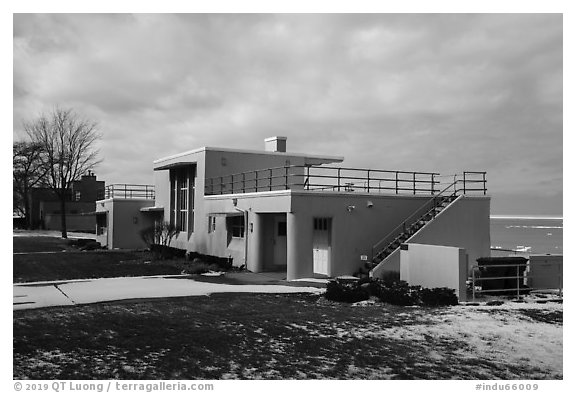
408	232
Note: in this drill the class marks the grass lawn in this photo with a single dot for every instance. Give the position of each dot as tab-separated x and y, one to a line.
297	336
87	264
45	258
39	244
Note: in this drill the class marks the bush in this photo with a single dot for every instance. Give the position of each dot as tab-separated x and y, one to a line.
439	297
219	262
399	293
390	291
348	291
390	277
166	252
91	246
198	267
85	244
158	238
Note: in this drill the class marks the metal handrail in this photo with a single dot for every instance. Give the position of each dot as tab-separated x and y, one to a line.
129	191
368	170
527	273
422	210
227	183
279	178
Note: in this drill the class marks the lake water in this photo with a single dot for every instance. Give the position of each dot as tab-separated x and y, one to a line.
527	235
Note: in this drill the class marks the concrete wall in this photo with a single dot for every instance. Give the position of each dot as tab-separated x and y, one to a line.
162	191
184	240
546	271
465	224
223	163
435	267
353	232
212	163
125	221
256	205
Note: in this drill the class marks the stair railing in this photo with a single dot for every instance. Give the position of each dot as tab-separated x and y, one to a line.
429	205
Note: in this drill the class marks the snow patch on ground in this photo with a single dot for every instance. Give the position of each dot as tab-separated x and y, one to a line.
508	337
316	280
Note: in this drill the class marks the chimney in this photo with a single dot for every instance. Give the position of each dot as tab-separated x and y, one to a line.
275	144
90	174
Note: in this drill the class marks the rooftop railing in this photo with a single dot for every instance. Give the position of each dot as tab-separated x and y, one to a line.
129	191
326	178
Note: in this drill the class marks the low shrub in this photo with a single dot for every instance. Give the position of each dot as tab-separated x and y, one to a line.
389	277
81	242
439	297
84	244
198	267
399	293
396	292
160	251
91	246
348	291
184	266
221	263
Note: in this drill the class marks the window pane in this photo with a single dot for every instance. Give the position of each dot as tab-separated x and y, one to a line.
282	229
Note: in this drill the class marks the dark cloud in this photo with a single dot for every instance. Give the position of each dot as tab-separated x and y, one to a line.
409	91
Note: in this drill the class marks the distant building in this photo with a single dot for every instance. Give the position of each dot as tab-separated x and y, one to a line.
80	205
276	211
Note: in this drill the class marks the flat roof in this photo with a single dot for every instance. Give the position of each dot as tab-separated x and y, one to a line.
158	163
152	209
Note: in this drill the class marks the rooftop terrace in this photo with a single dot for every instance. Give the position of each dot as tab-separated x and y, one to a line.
341	179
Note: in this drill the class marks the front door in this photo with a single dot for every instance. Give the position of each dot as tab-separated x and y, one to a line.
321	245
280	245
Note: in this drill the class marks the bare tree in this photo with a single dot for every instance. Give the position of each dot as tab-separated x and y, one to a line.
68	142
27	172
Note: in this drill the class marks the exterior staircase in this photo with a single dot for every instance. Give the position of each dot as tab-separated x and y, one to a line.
409	227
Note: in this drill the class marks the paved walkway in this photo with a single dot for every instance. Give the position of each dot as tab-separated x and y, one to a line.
49	233
73	292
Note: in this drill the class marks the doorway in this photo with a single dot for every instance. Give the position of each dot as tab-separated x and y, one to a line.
321	245
280	241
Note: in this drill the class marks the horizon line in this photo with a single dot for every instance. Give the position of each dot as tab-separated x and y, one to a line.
526	217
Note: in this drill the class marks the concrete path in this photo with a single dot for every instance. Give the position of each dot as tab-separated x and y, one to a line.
48	233
73	292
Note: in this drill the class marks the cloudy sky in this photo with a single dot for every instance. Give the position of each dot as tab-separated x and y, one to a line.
430	92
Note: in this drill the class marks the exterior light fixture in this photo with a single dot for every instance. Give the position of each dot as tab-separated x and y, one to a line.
369	204
350	208
235	202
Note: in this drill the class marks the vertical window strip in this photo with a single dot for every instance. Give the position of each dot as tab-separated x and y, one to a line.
180	202
182	180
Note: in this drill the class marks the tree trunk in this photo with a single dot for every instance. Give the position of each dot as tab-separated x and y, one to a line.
63	214
27	213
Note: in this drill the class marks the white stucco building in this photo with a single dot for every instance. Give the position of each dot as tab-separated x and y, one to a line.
272	210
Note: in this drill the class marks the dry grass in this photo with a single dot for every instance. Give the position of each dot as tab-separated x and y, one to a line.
298	336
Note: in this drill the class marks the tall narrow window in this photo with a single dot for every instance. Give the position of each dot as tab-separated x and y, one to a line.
211	224
182	199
